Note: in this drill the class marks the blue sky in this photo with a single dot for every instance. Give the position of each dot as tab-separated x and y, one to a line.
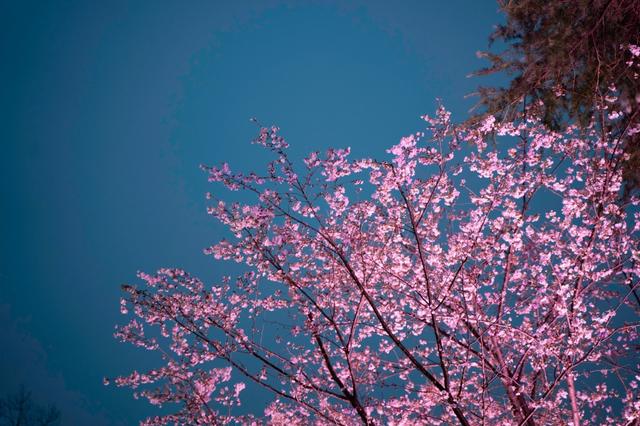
108	109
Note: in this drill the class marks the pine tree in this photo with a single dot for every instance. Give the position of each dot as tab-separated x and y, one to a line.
568	54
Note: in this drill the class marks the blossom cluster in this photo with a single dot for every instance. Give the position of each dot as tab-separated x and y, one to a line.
458	281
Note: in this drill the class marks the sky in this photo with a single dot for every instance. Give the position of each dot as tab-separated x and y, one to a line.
109	108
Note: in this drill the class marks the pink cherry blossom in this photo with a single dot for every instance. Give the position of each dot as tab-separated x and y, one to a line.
476	283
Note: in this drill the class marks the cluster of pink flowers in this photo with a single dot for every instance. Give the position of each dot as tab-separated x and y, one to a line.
460	282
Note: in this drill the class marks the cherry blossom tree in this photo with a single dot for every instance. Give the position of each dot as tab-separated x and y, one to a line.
458	281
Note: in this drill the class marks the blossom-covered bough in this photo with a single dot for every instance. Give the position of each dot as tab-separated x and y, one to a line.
484	275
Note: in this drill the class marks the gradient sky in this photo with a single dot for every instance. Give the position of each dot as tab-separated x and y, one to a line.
107	111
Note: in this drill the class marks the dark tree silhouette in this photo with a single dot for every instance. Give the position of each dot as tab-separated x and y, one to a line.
18	409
